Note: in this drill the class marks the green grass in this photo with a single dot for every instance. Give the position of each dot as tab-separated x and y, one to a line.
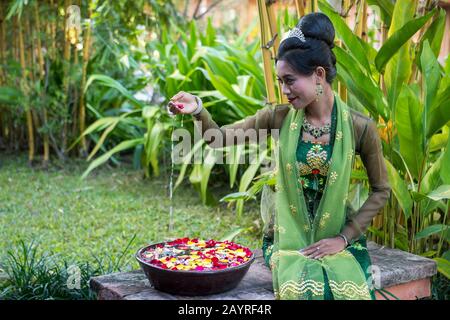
80	220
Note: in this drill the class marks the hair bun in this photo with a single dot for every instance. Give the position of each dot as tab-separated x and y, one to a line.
318	26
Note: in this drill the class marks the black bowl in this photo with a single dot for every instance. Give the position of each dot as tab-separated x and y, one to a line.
193	283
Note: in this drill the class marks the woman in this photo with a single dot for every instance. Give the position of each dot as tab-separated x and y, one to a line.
316	248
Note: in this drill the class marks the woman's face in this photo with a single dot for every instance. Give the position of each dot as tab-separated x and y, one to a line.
299	89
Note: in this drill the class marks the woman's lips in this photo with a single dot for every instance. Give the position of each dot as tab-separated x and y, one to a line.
290	100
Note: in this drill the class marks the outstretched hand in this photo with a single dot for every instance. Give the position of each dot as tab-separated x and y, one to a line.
182	102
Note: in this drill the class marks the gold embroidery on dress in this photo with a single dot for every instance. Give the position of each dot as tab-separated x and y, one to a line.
324	219
278	228
293	126
293	209
291	289
333	177
350	155
306	227
345	115
349	290
316	159
273	259
288	167
339	135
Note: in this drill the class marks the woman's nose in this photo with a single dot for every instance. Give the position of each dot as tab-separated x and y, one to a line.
285	89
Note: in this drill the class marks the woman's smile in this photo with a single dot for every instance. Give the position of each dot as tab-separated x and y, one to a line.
291	100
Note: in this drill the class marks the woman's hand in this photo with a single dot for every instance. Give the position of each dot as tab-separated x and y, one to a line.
324	247
182	102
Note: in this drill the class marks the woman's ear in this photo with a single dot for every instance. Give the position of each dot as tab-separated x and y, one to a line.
320	74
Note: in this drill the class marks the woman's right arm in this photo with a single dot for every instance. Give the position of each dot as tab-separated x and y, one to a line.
252	128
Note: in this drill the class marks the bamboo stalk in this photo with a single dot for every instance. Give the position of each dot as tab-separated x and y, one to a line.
276	43
342	90
41	77
3	123
29	116
268	77
66	59
300	7
31	63
358	18
2	42
82	107
364	35
53	26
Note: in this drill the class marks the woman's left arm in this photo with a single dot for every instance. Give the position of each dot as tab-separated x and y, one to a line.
371	153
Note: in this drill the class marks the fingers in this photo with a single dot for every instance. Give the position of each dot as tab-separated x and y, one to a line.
178	96
172	108
311	248
318	254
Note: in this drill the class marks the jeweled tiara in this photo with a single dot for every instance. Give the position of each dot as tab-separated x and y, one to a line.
296	32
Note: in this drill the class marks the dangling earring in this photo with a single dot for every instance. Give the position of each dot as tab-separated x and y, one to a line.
319	91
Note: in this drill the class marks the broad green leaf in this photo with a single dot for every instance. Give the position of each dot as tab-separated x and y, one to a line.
399	189
398	67
110	82
439	141
152	145
445	170
347	36
439	114
430	230
124	145
236	153
248	176
211	158
434	34
398	39
360	85
236	196
102	139
187	160
442	192
176	75
431	78
408	119
443	266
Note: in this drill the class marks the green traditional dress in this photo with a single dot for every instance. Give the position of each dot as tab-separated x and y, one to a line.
313	164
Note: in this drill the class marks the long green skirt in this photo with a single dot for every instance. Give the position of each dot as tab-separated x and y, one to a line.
358	249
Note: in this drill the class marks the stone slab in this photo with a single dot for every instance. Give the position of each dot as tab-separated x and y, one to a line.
404	274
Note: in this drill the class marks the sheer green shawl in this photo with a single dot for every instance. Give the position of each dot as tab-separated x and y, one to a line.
294	275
